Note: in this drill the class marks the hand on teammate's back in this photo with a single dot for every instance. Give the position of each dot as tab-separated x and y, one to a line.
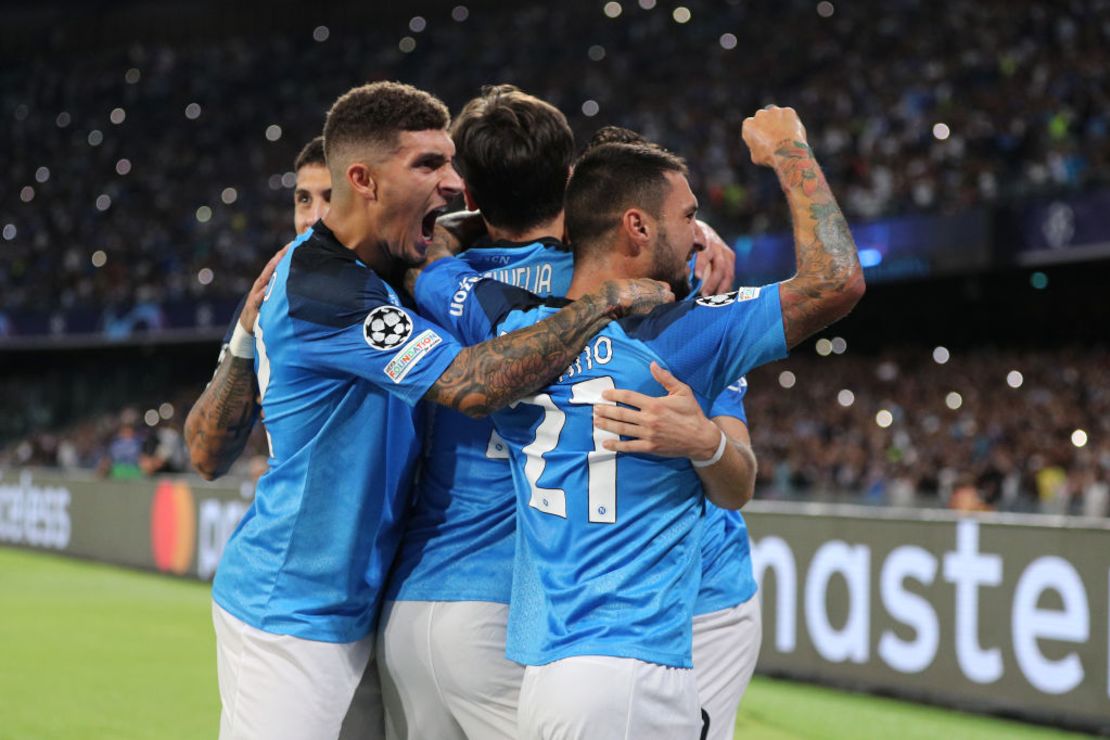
258	291
669	426
768	130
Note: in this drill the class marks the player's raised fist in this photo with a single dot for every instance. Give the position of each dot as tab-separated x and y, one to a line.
768	130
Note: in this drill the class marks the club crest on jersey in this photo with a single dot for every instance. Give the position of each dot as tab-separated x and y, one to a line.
725	299
411	354
387	327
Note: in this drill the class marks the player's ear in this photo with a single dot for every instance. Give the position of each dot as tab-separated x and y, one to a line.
362	181
637	230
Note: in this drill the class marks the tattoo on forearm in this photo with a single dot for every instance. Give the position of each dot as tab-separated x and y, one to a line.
487	376
828	266
222	418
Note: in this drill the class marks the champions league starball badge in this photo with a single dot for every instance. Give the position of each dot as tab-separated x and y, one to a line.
387	327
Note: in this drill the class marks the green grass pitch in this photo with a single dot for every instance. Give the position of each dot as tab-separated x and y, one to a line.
91	651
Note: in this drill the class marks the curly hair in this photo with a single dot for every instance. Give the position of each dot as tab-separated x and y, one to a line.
376	114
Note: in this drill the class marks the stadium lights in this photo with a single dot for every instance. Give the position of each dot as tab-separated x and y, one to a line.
884	418
681	14
289	179
787	379
1038	280
612	9
320	34
123	166
953	400
1014	379
229	196
103	202
99	258
275	182
824	347
96	138
825	9
647	4
728	41
407	44
27	194
941	355
204	277
596	53
590	108
460	13
845	398
42	174
192	111
204	214
151	417
9	232
1079	438
63	119
839	345
132	76
166	410
417	24
273	132
941	131
117	116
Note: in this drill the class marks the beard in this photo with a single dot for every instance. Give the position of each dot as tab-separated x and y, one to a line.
667	267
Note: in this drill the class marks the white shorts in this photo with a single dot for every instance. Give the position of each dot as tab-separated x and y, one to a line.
279	687
726	647
596	697
444	672
365	719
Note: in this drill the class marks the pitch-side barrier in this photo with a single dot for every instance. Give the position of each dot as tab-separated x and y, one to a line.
999	613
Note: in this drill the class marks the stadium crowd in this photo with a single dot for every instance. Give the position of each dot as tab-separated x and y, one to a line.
154	175
819	429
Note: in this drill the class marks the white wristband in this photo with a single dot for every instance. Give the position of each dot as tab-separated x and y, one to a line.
716	455
242	343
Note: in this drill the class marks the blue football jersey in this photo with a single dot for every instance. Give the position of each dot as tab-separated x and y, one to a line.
458	540
341	366
608	558
726	564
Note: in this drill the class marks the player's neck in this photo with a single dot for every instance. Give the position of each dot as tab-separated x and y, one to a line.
552	229
354	230
590	274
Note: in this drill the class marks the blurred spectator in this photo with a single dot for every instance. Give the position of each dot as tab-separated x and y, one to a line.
163	451
124	450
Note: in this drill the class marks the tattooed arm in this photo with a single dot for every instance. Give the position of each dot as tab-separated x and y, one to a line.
220	422
490	375
829	280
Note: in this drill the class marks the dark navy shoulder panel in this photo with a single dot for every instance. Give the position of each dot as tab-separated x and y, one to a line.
646	328
497	299
328	286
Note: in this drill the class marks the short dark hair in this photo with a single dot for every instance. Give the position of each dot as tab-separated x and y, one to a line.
514	151
611	178
614	135
312	154
376	114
